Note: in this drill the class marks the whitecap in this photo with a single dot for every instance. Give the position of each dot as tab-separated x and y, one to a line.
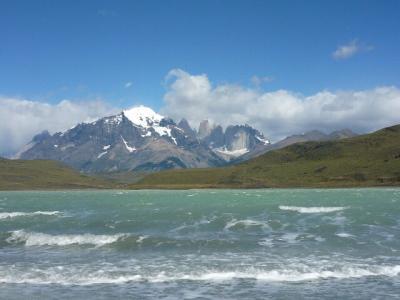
76	276
43	239
344	235
9	215
312	210
141	238
245	223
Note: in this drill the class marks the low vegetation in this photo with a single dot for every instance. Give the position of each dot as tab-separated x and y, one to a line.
44	174
367	160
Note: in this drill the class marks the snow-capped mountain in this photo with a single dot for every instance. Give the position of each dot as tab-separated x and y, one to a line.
142	140
135	139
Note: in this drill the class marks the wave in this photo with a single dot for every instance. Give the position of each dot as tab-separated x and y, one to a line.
42	239
312	210
9	215
344	235
88	276
294	276
245	223
121	241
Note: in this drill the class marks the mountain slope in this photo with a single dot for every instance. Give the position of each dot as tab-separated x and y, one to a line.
44	174
366	160
310	136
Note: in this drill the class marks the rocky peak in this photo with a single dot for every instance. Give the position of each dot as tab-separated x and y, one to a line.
184	125
41	136
204	129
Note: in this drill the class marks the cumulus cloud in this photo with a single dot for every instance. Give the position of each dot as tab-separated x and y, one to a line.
282	112
21	119
349	50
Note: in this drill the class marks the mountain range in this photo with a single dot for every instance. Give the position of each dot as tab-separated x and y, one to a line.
141	140
366	160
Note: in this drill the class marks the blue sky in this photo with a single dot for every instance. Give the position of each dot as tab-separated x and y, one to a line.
284	67
53	50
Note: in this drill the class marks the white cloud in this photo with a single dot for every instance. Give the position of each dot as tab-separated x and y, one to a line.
282	112
258	81
350	49
21	119
128	84
277	113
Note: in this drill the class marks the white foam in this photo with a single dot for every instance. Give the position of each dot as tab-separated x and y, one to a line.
42	239
6	215
141	239
311	210
287	275
245	223
344	235
88	276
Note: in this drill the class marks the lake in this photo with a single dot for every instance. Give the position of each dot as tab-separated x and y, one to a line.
201	244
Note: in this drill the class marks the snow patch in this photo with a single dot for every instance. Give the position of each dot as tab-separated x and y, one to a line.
101	154
114	120
234	153
148	133
129	148
262	140
145	117
106	147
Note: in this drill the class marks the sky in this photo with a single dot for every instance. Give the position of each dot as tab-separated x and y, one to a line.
282	66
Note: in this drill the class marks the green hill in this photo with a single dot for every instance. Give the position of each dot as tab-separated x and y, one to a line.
44	174
366	160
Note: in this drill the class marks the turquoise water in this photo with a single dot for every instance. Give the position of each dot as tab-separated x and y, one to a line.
209	244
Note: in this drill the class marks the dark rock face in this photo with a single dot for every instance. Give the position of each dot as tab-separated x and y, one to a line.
184	125
216	138
234	142
239	137
41	136
204	129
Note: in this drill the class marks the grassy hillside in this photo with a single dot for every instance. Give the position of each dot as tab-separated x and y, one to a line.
44	174
367	160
